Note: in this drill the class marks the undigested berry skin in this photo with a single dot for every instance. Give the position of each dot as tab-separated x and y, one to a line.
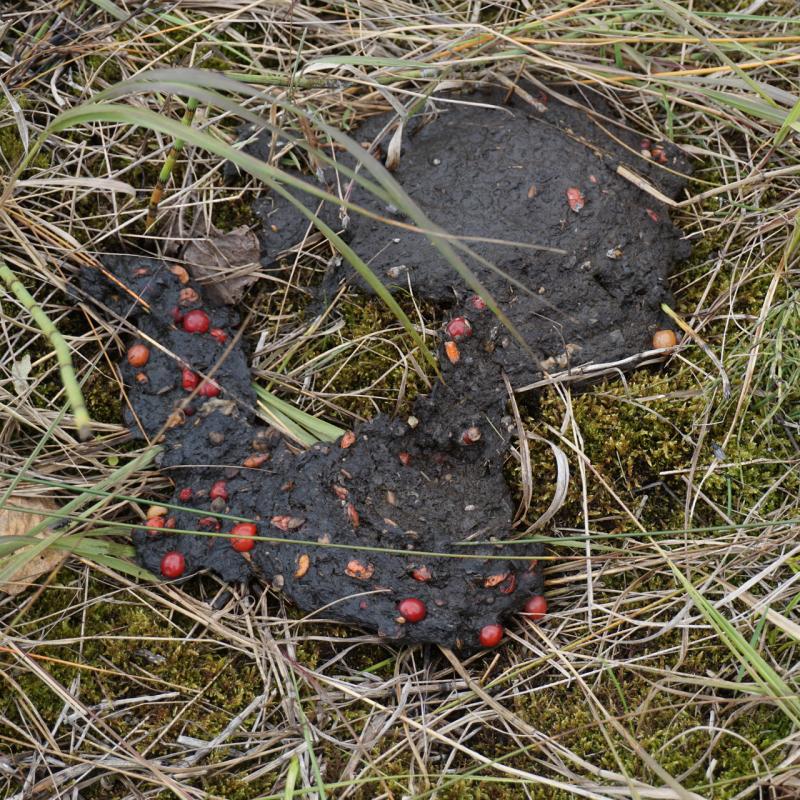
219	335
173	565
412	609
196	321
185	495
536	607
471	435
491	635
209	389
219	489
459	328
138	355
189	379
243	533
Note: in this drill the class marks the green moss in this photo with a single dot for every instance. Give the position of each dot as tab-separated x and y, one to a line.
368	374
234	212
104	66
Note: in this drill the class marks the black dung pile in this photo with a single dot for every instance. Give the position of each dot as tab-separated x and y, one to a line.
402	526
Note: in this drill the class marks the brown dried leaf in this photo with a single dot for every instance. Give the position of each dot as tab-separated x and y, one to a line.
18	523
225	263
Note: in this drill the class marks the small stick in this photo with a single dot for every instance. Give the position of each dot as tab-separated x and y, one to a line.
166	170
71	386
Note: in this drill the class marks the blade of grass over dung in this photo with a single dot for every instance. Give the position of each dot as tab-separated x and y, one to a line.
319	429
191	82
271	176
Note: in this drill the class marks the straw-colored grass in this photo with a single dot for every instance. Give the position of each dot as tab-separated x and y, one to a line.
667	666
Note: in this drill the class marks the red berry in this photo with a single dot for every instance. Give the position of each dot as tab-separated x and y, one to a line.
138	355
478	303
536	607
173	564
155	522
189	411
209	389
459	328
219	489
185	495
219	335
491	635
189	379
243	536
177	315
412	609
196	321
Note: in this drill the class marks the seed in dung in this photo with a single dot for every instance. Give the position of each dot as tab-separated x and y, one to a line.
188	297
536	607
421	574
664	339
452	352
138	355
189	379
358	569
575	198
209	389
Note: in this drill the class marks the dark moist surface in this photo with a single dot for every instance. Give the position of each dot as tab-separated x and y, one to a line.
504	172
413	490
539	173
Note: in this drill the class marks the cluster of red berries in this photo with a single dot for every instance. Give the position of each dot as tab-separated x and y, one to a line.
412	609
